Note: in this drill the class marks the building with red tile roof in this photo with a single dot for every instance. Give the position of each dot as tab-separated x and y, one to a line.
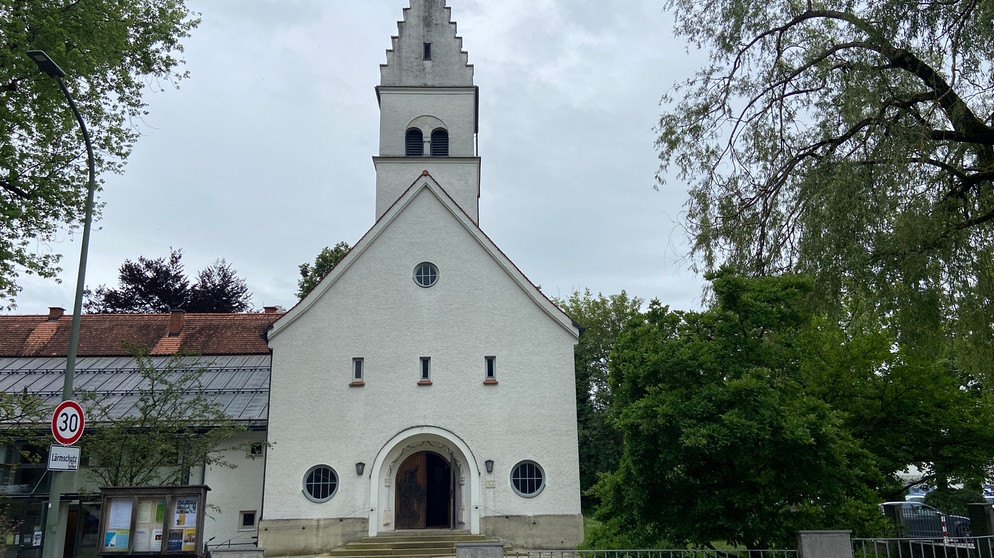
231	353
118	334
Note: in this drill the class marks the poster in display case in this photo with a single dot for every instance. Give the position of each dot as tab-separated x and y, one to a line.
153	520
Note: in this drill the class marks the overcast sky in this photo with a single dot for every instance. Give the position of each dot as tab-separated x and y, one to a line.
263	156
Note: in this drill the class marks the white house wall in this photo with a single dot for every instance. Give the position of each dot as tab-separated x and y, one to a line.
374	310
234	490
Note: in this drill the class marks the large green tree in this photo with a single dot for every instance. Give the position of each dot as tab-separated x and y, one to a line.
111	50
324	262
926	421
602	319
722	442
850	141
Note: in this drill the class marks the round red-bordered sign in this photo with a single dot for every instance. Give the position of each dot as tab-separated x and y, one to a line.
67	423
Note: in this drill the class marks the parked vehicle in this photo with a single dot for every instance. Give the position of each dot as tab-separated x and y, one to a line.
959	526
922	521
917	493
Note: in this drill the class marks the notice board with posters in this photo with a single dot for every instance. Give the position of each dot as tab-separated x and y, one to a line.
152	520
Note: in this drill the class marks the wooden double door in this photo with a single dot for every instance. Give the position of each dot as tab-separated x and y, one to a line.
425	495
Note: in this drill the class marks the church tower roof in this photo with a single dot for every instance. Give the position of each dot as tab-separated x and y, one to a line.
426	52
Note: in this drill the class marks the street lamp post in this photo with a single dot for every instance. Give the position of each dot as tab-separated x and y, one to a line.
50	539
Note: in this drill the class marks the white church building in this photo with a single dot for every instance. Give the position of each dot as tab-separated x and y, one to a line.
425	383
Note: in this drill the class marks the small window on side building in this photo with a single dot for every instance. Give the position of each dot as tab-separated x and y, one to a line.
357	372
490	370
426	53
247	520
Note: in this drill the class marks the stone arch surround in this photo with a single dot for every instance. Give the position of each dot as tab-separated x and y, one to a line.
409	442
427	123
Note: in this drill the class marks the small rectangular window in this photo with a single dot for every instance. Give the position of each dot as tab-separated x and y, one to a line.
425	371
246	520
427	51
490	370
255	450
357	371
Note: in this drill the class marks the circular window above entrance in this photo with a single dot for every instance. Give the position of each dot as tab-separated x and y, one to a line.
425	274
527	479
320	483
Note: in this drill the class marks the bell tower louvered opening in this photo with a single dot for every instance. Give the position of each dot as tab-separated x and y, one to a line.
440	143
414	145
429	110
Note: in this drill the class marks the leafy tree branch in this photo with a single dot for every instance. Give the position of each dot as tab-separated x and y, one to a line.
110	49
157	434
850	142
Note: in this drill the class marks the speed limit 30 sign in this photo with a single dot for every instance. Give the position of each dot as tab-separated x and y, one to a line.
67	423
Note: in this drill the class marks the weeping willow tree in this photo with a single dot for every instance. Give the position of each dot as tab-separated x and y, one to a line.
852	142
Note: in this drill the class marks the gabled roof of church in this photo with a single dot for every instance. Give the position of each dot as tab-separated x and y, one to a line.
426	52
427	182
111	334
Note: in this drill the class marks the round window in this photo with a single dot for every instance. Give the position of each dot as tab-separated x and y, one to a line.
425	274
320	483
527	479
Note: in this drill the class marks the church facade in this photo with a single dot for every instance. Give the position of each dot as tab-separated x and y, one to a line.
425	383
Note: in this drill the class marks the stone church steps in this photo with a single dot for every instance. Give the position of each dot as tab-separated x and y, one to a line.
408	544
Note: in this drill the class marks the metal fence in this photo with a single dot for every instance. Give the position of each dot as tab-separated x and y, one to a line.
678	553
965	547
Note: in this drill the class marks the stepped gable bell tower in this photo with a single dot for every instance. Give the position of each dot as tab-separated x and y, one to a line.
428	111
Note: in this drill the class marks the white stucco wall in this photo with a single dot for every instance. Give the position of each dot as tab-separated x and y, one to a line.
235	490
375	311
426	21
232	490
455	107
394	175
455	110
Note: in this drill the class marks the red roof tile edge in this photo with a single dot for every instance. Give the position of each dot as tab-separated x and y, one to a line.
119	334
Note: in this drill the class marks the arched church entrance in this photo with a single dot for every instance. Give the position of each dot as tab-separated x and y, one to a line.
425	492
